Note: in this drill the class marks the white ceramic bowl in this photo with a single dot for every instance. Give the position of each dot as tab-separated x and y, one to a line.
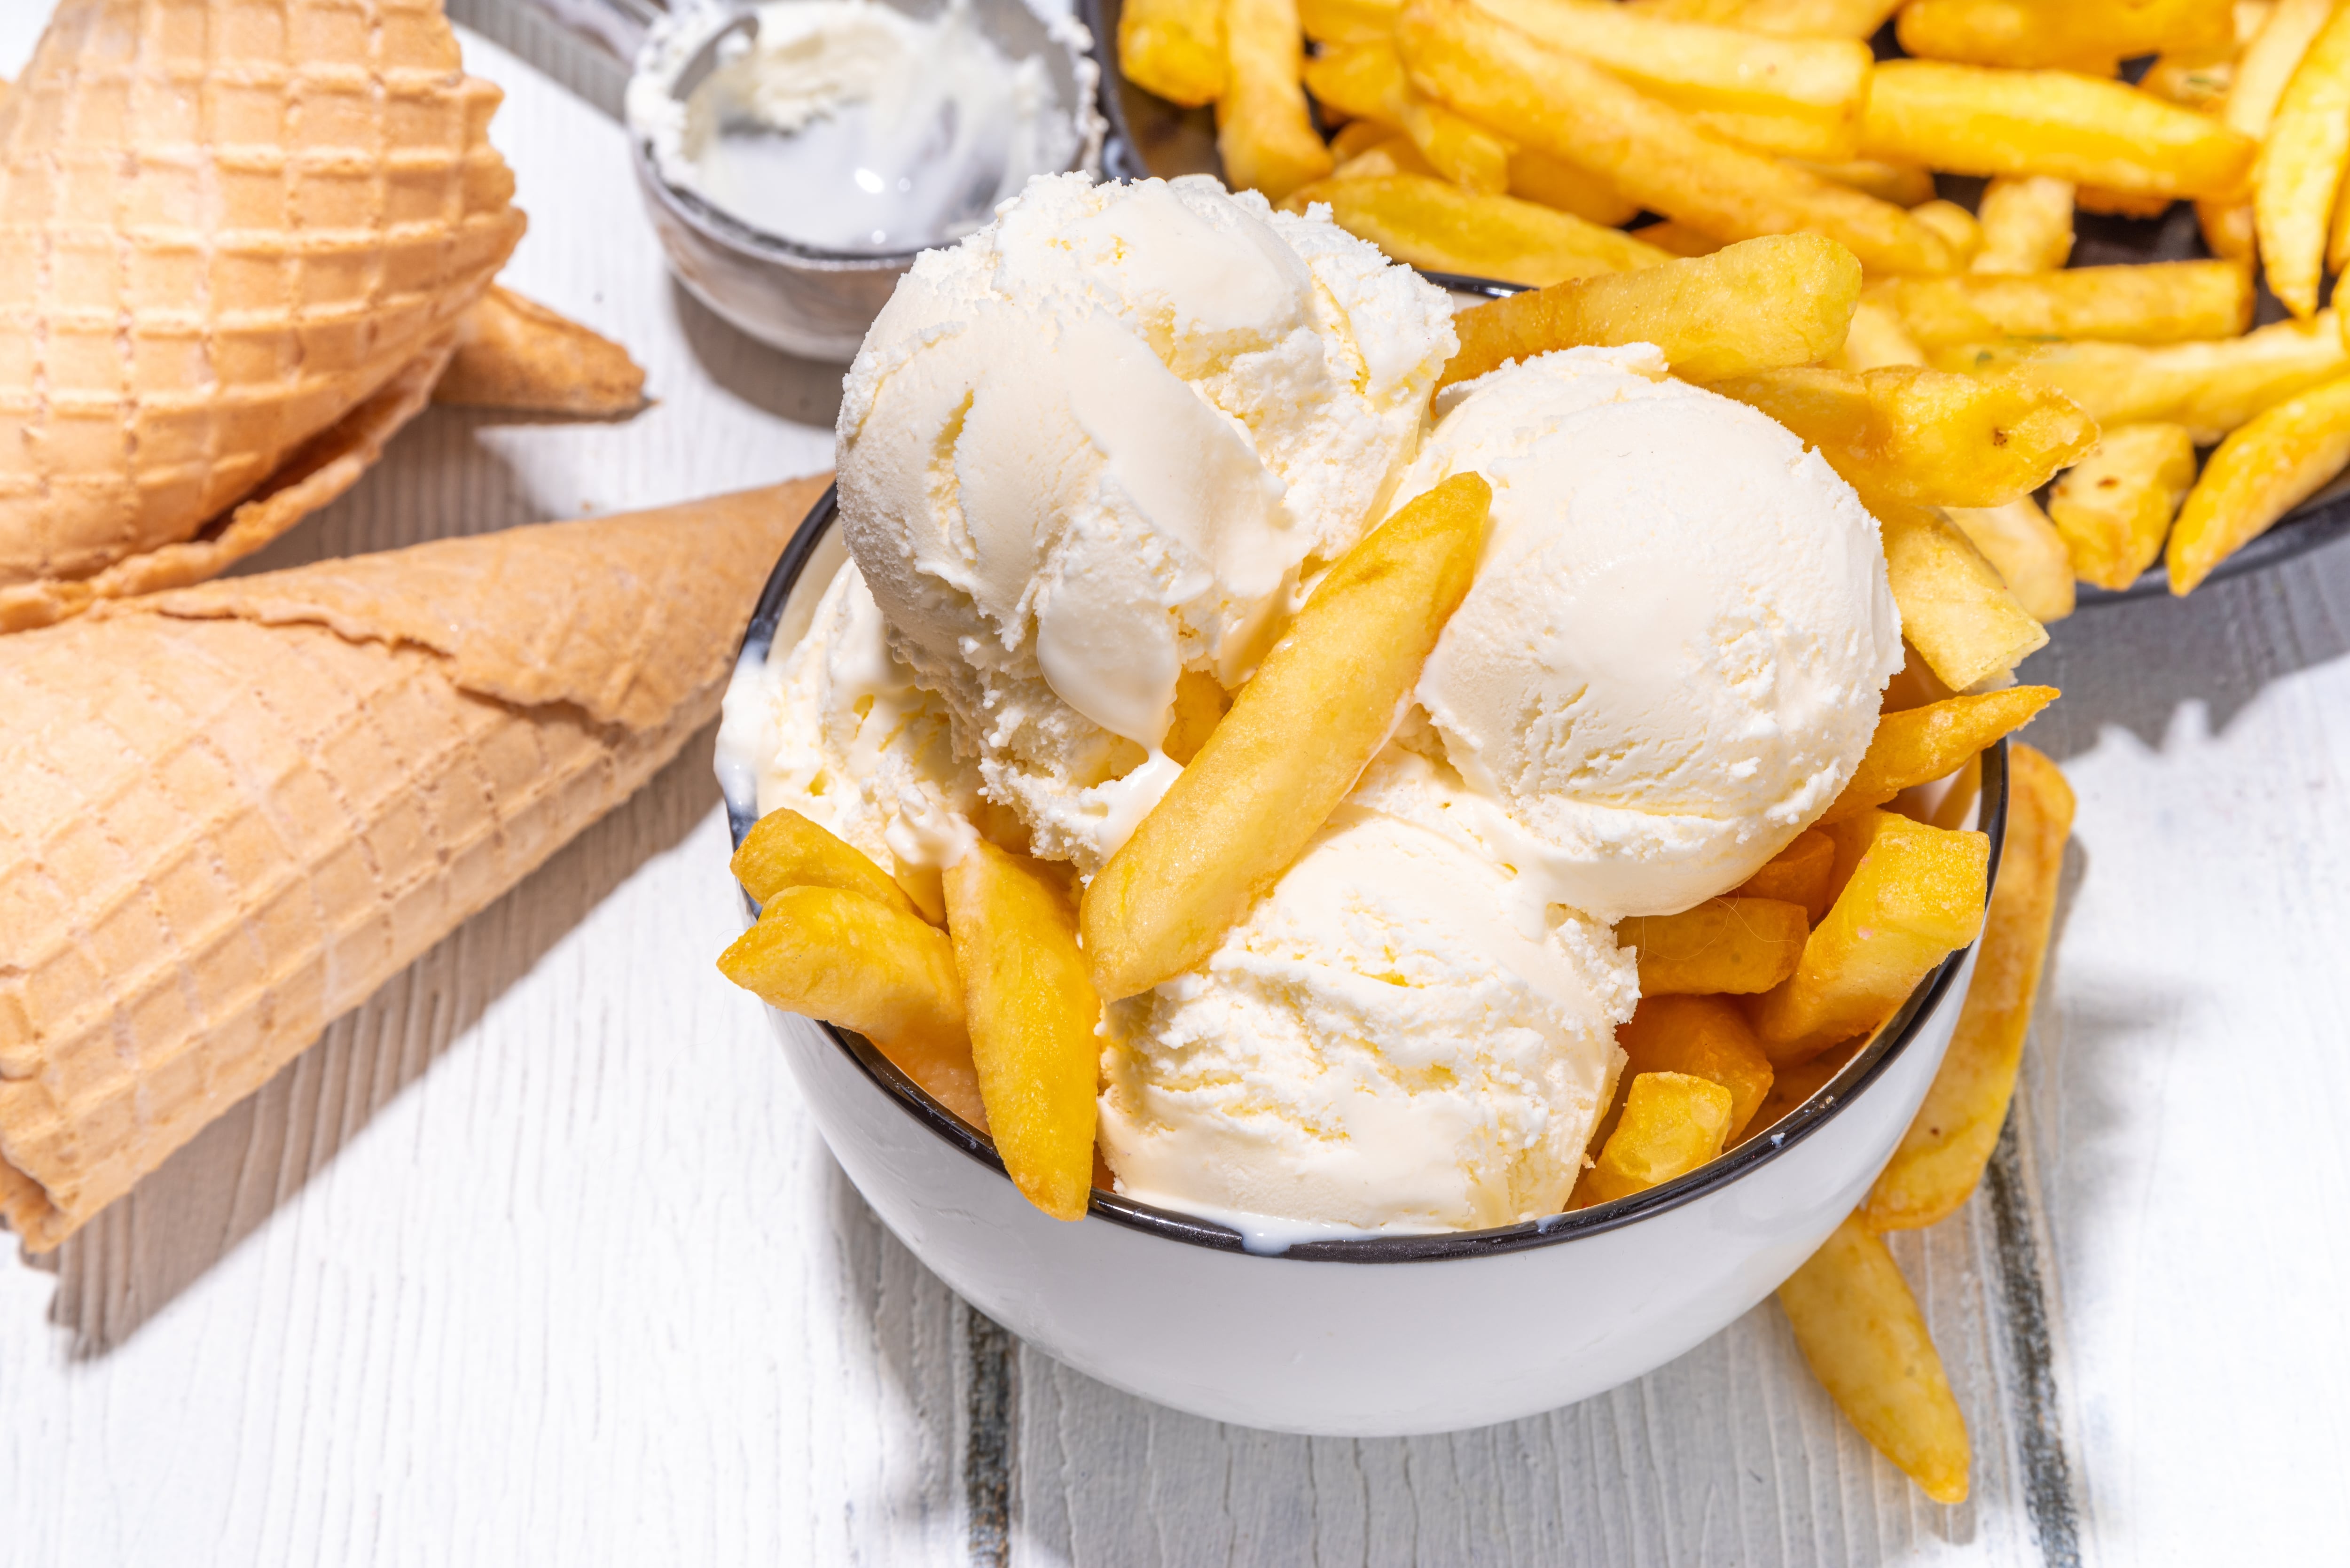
1370	1337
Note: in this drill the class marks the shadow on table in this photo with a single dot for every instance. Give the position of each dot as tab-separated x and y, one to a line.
804	391
135	1259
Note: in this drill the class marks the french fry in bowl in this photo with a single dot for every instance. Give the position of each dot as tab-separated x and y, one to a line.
1538	177
785	849
1914	896
1174	48
855	961
1562	105
1671	1124
2088	36
1434	224
1296	738
2027	226
1972	119
1941	1157
1730	946
1702	1036
1913	745
1346	21
1875	339
1263	132
1956	611
2301	166
1032	1013
1753	306
1779	19
1803	873
1922	436
1367	80
2263	470
2158	302
2024	547
1866	1341
2114	507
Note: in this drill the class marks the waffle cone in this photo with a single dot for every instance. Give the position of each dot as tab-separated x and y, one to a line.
516	354
226	225
229	813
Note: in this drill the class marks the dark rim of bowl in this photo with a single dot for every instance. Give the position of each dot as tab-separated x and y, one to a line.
1849	1081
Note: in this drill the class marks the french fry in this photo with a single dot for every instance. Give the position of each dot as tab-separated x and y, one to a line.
2211	388
1263	133
1727	947
2190	78
1972	119
1357	137
1346	21
2228	229
1914	896
1704	1037
1862	1334
1436	224
1174	48
1798	96
1957	226
2158	302
1916	744
1679	239
1913	685
1538	177
2114	507
1755	306
1297	736
1956	611
1366	79
1875	338
2269	466
1943	1155
1925	437
1562	105
2027	226
2024	547
1671	1124
828	953
2301	167
1800	874
2337	239
1393	155
2091	35
2268	61
1903	184
1780	19
1031	1014
785	849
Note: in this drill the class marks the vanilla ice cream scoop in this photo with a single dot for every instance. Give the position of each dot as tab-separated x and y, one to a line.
1673	657
1092	447
1392	1040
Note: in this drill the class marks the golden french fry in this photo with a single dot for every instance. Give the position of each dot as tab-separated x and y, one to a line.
2024	547
1436	224
829	953
1780	19
1393	155
785	849
1903	184
2337	239
2268	62
1927	437
1538	177
2268	467
1031	1014
2301	166
1263	132
1914	897
1357	137
1957	611
2190	78
1957	226
1562	105
1701	1036
2091	35
1174	48
2228	229
1802	873
1726	947
1972	119
2114	507
1916	744
1943	1155
1799	96
2027	226
2211	388
1671	1124
1346	21
1861	1332
2157	302
1875	338
1750	307
1366	79
1678	238
1296	738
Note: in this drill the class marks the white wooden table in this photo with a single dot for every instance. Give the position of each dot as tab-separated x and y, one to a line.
535	1260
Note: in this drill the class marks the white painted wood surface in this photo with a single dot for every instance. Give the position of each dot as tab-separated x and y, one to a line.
534	1260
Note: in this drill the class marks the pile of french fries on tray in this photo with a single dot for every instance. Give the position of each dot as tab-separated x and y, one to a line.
1515	140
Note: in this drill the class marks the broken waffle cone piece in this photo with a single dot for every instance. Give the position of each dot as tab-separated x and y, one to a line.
516	355
229	813
225	229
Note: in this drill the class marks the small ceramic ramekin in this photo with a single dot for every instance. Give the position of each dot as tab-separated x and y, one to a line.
1371	1337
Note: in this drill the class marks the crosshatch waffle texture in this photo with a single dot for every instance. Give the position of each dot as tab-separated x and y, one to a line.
225	226
229	813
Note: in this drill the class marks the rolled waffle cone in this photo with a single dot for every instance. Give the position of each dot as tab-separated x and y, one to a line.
228	814
226	225
516	354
